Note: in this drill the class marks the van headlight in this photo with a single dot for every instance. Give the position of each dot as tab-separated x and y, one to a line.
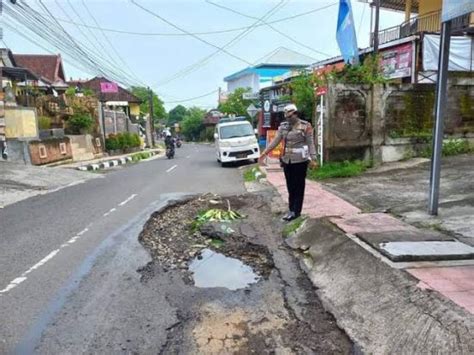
224	144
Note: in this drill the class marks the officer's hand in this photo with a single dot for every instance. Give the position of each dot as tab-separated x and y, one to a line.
313	164
262	158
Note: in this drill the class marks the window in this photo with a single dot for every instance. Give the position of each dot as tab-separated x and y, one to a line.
63	148
43	153
236	131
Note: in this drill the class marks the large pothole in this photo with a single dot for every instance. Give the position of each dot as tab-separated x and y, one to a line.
213	254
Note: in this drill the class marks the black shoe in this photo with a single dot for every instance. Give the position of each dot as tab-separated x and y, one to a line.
293	217
289	217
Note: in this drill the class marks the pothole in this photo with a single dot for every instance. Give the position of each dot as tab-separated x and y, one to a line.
212	269
208	254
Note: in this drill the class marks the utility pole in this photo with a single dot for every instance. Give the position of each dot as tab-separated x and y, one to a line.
3	142
148	126
376	27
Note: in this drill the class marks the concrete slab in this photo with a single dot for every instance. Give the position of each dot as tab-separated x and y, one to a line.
371	223
412	251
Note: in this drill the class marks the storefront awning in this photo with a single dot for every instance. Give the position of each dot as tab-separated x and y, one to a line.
19	74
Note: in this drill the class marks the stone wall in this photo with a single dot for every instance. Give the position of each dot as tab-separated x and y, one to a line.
390	122
118	122
50	150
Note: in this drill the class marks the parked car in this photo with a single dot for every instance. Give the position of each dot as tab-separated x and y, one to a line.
235	140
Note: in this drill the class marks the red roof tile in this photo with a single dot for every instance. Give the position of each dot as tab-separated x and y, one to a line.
49	67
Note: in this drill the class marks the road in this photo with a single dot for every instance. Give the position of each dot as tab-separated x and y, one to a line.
75	278
49	243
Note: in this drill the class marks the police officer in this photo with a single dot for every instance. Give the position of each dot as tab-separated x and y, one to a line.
299	151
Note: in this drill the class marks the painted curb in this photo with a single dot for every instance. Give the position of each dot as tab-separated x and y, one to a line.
109	163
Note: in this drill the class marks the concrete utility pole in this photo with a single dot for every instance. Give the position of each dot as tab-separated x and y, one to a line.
152	115
377	25
3	154
440	110
149	139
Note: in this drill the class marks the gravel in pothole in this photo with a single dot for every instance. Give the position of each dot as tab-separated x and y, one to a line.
174	242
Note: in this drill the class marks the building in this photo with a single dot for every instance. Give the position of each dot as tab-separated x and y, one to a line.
48	68
409	51
277	63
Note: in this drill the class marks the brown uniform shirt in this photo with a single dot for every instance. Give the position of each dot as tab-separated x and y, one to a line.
299	142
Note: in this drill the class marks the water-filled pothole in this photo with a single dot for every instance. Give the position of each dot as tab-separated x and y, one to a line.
213	269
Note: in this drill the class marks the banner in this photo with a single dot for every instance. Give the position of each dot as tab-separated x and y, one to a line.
396	62
278	151
346	34
107	87
460	53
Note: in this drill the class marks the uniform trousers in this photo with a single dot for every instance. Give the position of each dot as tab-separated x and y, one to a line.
295	175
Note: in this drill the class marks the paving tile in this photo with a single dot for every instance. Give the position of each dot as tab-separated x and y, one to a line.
462	298
371	223
434	250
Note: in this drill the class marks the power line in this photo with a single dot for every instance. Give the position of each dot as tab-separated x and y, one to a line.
187	32
272	27
203	33
192	98
234	40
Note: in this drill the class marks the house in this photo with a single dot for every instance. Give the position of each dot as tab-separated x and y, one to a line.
409	51
277	63
48	68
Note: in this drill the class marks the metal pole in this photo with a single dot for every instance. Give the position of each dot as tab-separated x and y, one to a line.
440	109
152	123
376	27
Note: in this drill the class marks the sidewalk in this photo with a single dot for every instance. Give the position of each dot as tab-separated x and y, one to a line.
386	253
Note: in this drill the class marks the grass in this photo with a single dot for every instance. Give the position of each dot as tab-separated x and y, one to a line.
450	147
249	174
140	156
293	226
338	170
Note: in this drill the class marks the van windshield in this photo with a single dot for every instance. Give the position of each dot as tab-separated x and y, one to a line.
236	131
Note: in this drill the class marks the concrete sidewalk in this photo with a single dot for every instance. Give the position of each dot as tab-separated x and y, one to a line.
386	281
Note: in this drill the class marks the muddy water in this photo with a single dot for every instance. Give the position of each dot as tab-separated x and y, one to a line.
213	269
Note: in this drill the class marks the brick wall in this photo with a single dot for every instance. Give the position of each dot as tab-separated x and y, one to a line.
50	151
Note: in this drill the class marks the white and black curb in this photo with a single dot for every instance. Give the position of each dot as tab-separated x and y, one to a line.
109	163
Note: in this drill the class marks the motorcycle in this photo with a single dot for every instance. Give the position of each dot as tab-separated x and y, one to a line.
170	152
179	143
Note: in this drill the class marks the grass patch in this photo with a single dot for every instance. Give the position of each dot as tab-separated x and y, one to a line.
293	226
216	243
140	156
338	170
451	147
249	174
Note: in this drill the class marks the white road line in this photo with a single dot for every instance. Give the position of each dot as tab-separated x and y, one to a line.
172	168
109	212
14	283
127	200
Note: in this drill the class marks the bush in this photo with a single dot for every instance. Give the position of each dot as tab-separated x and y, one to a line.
450	147
70	91
44	122
80	122
122	141
111	143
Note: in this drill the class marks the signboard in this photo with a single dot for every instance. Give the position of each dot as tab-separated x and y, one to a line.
320	130
396	62
321	91
456	8
252	110
266	106
278	151
250	96
108	88
267	120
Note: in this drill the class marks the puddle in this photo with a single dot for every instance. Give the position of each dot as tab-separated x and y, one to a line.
217	270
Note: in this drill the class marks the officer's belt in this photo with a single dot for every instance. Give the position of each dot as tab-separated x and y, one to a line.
295	150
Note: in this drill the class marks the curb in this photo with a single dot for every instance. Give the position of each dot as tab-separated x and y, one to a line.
258	174
109	163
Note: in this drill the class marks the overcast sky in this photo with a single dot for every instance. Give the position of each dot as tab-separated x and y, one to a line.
153	59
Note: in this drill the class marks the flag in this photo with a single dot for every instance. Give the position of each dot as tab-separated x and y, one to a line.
346	34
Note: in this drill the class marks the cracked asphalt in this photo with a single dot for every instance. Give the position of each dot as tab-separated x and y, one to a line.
71	280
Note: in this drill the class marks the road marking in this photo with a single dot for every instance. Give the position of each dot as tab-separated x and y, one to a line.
109	212
14	283
172	168
127	200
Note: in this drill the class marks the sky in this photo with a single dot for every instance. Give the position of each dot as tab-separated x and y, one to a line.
153	60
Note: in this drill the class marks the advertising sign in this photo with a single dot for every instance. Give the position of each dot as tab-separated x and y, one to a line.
396	62
267	119
456	8
278	151
107	87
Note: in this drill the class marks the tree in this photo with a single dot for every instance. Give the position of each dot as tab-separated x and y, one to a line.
192	124
177	115
236	104
143	94
302	89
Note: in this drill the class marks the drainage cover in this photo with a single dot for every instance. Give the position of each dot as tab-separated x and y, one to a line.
213	269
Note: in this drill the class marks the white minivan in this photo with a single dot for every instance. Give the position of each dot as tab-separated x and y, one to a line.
235	140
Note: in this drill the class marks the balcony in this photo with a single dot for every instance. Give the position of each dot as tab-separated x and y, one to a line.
430	22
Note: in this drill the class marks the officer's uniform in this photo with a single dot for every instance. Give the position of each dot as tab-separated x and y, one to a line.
299	149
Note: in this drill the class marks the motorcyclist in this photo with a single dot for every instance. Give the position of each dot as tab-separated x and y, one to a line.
169	141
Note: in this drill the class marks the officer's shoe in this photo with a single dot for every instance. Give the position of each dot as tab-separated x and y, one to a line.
289	216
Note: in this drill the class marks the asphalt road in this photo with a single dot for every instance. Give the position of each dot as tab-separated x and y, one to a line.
50	244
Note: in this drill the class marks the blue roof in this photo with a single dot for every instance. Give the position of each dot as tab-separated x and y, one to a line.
264	71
